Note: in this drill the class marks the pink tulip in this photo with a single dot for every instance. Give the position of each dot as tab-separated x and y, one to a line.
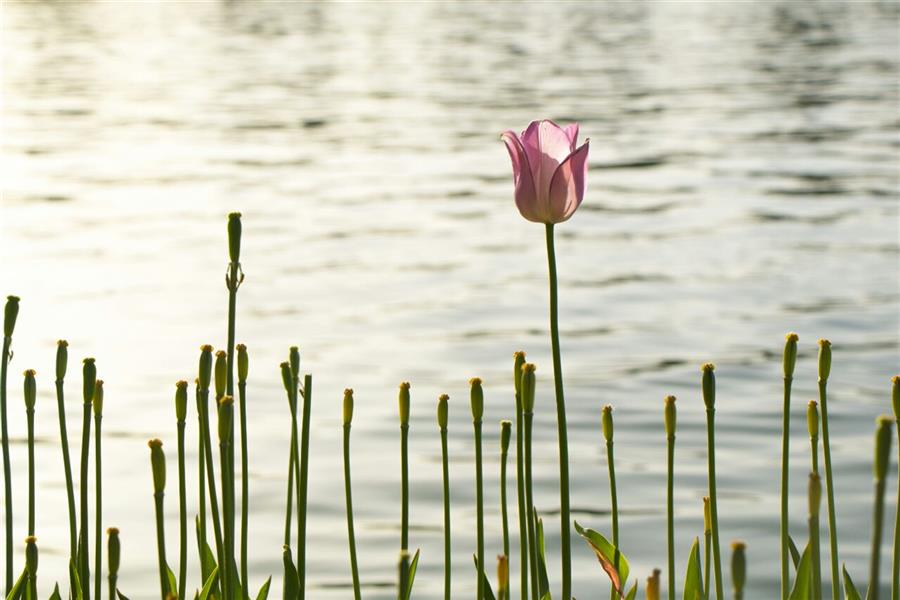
550	174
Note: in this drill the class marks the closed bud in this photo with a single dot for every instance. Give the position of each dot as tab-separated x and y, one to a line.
221	372
670	416
181	400
286	379
89	373
205	370
10	313
709	386
98	398
815	494
30	389
442	411
31	556
528	384
606	422
895	395
653	586
505	434
738	566
348	406
226	414
790	354
158	465
294	359
883	435
234	237
812	419
502	575
243	363
824	360
114	551
707	516
518	361
62	359
403	402
476	396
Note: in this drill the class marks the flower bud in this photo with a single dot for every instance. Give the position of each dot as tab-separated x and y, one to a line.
403	401
243	363
226	415
348	406
528	384
10	312
502	575
89	373
98	398
670	416
883	435
707	516
113	551
738	566
221	372
294	358
709	386
895	395
815	494
476	396
653	586
30	389
606	422
790	354
62	359
31	556
206	362
286	378
824	360
518	361
442	411
234	237
181	400
812	419
158	465
505	434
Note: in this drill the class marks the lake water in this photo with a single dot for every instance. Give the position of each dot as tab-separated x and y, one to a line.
743	183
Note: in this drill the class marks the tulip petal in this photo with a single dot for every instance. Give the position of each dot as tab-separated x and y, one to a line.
525	194
572	132
568	184
546	145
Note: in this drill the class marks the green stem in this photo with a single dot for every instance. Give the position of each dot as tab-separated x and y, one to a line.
706	563
503	512
211	482
895	567
816	574
529	498
182	514
83	534
713	508
520	492
404	487
304	475
877	525
829	488
479	510
29	413
785	455
228	510
611	464
98	500
561	423
201	472
245	486
670	511
7	473
289	509
348	494
113	582
67	467
445	473
161	545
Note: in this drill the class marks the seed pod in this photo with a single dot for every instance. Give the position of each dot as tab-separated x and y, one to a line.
181	400
158	465
294	358
221	372
62	359
883	435
824	360
348	406
505	434
670	416
528	385
114	551
243	363
709	386
31	556
226	416
234	237
606	421
790	354
98	398
30	389
89	372
518	361
403	401
476	396
10	313
442	411
812	419
815	494
206	362
738	565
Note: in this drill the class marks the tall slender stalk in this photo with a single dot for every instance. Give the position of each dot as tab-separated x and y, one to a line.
303	484
206	368
90	382
98	487
883	436
565	520
243	367
294	359
403	409
477	402
30	397
670	418
739	568
31	565
812	426
225	427
815	500
505	435
158	467
233	280
287	380
113	554
403	579
789	360
707	546
442	418
895	563
709	399
62	361
824	372
528	385
10	312
518	361
180	416
201	473
607	426
348	491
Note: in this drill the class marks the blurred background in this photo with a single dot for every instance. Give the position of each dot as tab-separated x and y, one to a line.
743	183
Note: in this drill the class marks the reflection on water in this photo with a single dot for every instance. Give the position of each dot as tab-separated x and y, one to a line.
743	183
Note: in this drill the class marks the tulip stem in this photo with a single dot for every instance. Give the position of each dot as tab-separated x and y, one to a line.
182	514
518	361
291	467
829	488
785	455
529	498
445	475
227	568
348	494
561	422
7	474
404	487
304	474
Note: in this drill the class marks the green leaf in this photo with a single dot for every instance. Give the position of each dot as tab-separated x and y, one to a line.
208	586
632	593
173	584
55	595
412	575
488	591
291	578
264	590
18	589
795	554
546	596
849	588
693	579
801	589
543	581
207	559
76	581
606	552
121	595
